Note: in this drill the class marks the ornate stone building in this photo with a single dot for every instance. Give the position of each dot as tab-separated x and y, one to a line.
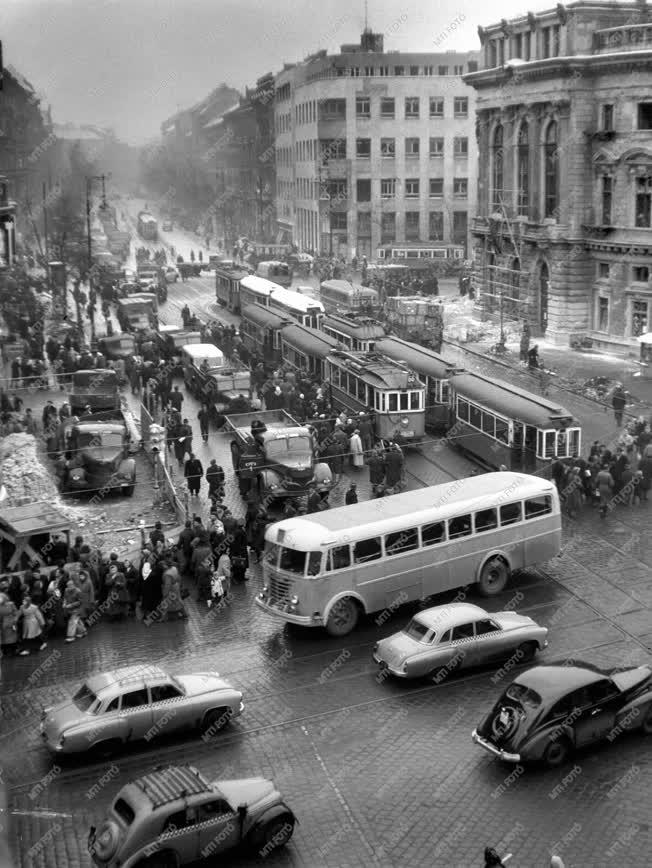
563	236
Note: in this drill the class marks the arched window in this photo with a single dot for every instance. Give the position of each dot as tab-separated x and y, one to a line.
551	171
497	169
523	171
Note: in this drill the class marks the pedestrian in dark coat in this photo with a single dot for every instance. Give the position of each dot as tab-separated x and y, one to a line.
156	535
151	579
203	417
376	464
238	553
193	471
618	402
351	495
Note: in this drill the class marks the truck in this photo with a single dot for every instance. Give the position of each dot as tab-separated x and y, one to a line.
170	340
138	312
97	456
151	278
211	379
273	456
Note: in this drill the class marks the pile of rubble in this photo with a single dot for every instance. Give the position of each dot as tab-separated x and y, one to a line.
24	476
462	325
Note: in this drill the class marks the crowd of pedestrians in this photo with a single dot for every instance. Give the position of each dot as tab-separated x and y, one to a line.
608	477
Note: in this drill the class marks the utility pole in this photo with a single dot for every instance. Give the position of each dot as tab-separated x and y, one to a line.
47	247
91	289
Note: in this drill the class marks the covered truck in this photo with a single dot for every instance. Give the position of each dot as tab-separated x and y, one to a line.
273	456
138	312
170	341
211	379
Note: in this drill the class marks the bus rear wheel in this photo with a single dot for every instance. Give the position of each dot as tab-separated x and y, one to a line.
493	578
343	617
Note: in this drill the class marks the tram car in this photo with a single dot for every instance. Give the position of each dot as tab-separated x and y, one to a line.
147	226
433	369
501	425
260	330
356	333
305	310
227	285
342	296
361	382
306	349
256	290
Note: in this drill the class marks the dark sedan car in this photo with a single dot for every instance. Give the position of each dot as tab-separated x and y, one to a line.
549	711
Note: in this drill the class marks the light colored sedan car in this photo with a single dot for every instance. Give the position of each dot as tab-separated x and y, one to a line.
135	703
456	636
171	274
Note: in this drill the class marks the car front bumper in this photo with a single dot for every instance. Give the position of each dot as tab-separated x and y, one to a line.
53	748
290	617
501	754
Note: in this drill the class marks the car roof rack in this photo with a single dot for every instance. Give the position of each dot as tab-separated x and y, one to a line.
170	784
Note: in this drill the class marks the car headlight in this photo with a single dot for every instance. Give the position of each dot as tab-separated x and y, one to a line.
405	421
273	486
295	601
265	589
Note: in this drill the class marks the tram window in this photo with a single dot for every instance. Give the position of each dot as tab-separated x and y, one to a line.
362	391
459	526
502	430
574	442
462	410
444	391
486	519
404	541
536	506
372	396
367	550
314	563
489	424
431	534
404	400
546	443
415	403
510	513
562	444
392	402
339	558
475	417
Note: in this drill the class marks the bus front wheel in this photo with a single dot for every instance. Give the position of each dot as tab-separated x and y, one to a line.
493	578
343	617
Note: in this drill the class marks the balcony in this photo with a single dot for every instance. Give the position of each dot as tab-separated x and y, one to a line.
631	37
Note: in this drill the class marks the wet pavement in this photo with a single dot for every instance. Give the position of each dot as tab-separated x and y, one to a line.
379	773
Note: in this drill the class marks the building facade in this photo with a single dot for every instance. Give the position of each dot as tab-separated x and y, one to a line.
563	235
375	148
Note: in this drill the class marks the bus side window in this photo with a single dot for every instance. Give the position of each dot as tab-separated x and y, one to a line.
510	513
314	563
338	558
486	519
459	526
367	550
431	534
537	506
403	541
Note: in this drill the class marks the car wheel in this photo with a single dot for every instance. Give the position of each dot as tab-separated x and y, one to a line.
493	578
275	834
215	720
647	722
343	617
556	753
106	749
526	651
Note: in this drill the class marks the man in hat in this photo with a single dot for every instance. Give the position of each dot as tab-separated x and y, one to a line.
156	535
351	495
193	471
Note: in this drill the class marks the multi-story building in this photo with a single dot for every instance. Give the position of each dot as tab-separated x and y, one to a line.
7	226
563	236
375	147
246	166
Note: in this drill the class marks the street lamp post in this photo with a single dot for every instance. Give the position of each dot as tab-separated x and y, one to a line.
91	290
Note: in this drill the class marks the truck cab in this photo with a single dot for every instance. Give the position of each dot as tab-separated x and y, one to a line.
210	379
273	456
170	340
97	459
138	312
97	390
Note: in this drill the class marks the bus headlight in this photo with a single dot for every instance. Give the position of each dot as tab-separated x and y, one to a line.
295	601
405	421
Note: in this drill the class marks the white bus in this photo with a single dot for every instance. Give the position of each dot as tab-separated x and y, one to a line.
332	567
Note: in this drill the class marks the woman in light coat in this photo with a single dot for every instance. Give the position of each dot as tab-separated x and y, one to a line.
33	624
356	450
8	625
172	604
87	592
